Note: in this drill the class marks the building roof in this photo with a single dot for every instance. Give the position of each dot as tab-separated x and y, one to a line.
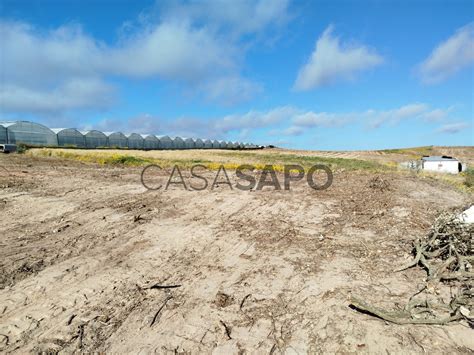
92	131
128	135
438	158
57	130
149	136
118	133
7	123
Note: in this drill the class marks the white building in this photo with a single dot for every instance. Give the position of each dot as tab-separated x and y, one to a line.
443	164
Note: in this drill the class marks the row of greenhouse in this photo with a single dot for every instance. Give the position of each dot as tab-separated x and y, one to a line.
35	134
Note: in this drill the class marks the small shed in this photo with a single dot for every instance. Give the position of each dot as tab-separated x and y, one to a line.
69	137
94	139
150	142
165	142
116	139
189	143
135	141
444	164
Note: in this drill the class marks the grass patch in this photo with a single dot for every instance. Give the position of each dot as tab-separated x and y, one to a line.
21	148
469	178
463	182
109	158
426	150
98	158
308	161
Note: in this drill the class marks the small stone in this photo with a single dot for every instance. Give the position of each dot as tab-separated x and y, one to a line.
464	311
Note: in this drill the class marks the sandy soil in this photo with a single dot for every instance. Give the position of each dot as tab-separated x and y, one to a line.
88	259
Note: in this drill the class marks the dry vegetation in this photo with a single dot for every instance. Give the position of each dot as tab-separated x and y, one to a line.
92	261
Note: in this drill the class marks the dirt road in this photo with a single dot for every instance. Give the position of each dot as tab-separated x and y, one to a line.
92	261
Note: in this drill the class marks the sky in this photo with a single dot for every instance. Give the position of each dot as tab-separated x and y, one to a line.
330	75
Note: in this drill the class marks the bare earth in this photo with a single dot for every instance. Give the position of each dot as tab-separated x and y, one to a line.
258	272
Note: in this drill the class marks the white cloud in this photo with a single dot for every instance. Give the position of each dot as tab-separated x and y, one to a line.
322	119
254	119
171	50
293	131
288	131
72	94
34	58
437	114
452	128
411	111
238	17
231	89
449	57
332	61
196	45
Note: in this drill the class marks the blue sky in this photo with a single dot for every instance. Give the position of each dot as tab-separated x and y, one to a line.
342	75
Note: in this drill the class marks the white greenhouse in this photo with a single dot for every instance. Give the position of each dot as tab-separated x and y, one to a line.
198	143
69	137
3	134
29	133
222	145
178	143
150	142
94	139
189	143
207	144
165	142
135	141
116	140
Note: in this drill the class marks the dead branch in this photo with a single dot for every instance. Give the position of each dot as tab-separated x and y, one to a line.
447	254
6	339
399	317
243	300
158	286
227	330
163	286
160	309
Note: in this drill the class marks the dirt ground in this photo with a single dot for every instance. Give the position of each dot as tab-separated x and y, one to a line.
92	261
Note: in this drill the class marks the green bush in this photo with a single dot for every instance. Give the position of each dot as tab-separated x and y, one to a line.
126	160
21	148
